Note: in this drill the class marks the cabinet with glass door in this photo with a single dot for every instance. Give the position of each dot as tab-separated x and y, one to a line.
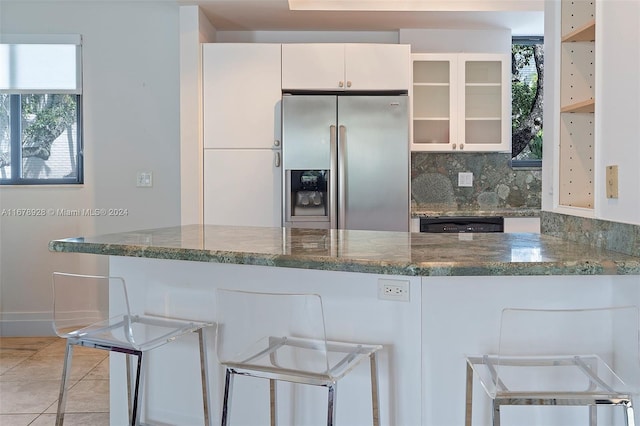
461	102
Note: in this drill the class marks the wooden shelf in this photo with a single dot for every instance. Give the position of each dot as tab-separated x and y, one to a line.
585	33
584	106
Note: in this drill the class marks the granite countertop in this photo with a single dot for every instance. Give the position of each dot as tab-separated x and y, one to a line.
513	213
396	253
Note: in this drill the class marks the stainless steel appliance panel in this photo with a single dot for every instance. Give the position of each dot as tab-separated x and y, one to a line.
360	145
373	163
309	123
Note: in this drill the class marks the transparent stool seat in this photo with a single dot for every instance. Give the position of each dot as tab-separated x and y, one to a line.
282	337
82	317
561	358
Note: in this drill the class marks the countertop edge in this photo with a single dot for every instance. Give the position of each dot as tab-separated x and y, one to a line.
609	267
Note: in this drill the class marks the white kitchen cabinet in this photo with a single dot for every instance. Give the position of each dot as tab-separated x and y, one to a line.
241	95
461	102
242	187
242	128
344	67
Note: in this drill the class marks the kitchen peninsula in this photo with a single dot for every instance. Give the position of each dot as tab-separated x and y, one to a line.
454	287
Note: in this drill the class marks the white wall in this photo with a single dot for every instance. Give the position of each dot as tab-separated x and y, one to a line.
307	37
617	112
455	40
618	108
194	29
131	123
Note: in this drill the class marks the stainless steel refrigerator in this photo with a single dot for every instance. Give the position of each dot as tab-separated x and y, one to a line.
345	161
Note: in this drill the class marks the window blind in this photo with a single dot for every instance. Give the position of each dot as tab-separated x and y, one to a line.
41	64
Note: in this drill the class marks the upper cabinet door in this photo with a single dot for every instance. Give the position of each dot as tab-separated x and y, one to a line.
485	102
344	67
434	102
377	66
241	95
314	66
461	102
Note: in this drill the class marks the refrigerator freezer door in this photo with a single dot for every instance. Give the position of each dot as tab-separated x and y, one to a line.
306	131
373	161
309	138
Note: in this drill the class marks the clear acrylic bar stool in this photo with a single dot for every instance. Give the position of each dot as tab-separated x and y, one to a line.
81	316
561	357
282	337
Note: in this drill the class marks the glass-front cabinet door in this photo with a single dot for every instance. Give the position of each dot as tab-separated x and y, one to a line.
461	102
434	101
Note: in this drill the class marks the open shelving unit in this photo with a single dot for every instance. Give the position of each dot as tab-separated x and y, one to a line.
577	104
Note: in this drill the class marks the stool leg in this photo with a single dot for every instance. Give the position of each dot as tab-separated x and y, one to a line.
273	401
331	407
375	397
631	421
496	413
129	386
468	413
593	415
226	403
66	372
137	393
204	376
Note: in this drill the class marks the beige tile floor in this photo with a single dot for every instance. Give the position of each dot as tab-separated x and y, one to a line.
30	370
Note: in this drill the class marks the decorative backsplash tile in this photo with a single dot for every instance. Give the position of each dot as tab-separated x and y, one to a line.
496	185
615	236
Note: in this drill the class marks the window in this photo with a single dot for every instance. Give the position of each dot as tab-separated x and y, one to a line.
40	110
527	85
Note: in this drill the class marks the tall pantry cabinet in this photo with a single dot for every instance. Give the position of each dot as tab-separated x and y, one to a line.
241	104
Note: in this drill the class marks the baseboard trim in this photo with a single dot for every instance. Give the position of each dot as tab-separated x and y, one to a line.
26	324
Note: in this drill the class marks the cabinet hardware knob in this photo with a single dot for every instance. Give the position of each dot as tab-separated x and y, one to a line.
277	159
461	146
276	143
348	83
453	146
341	84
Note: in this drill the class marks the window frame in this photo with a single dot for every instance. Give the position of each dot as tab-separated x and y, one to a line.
15	143
16	89
533	163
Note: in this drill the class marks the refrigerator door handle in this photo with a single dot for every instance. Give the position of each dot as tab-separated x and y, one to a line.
333	189
342	176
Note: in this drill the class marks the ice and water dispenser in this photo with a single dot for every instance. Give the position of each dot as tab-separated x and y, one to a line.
307	201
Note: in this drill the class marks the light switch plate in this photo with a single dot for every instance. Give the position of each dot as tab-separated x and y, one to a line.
465	179
144	179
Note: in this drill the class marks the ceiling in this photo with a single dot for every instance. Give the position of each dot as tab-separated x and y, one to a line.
523	17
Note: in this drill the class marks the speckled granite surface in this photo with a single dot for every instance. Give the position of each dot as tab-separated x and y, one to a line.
614	236
496	185
395	253
427	212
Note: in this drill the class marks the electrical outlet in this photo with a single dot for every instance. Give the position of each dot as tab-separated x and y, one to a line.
397	290
465	179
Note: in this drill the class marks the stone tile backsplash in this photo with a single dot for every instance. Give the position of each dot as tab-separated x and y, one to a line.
496	185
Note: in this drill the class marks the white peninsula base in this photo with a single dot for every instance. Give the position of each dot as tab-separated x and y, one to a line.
421	368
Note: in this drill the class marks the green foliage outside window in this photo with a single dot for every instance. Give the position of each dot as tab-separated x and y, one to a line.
526	102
